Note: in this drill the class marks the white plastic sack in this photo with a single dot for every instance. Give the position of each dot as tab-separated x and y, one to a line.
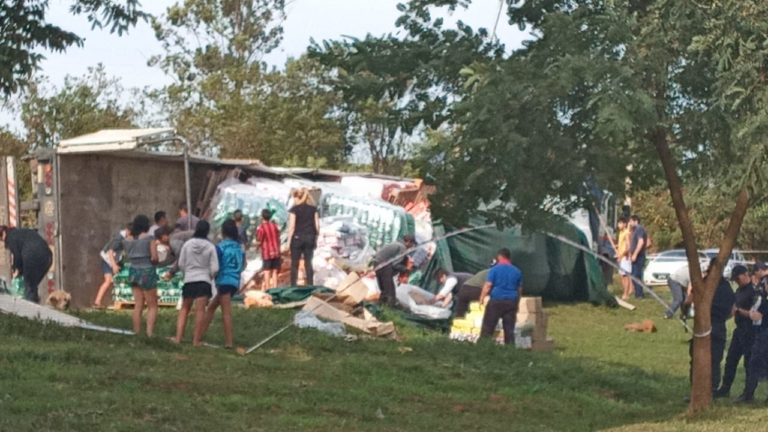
306	319
327	274
252	267
428	311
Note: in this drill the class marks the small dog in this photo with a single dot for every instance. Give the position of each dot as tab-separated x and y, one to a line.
59	299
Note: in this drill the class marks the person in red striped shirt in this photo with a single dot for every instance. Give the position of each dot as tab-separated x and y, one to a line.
268	240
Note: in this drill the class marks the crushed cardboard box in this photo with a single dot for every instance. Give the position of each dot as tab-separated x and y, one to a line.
352	291
367	323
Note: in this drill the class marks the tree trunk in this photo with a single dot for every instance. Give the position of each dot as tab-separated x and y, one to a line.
703	290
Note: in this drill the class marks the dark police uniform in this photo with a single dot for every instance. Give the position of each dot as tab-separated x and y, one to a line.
742	340
758	362
722	306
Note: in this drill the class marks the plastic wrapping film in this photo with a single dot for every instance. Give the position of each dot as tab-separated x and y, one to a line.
251	198
385	222
344	240
167	291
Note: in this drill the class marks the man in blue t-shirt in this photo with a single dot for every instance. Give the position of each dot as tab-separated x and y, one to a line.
504	286
637	246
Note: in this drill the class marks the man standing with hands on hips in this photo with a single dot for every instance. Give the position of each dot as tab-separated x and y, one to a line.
504	287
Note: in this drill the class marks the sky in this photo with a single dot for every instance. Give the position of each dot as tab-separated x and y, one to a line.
126	57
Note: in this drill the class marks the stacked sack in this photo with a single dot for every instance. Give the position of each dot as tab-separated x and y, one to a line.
168	292
344	241
530	326
384	222
467	329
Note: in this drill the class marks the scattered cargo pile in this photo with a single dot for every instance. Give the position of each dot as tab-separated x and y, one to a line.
530	326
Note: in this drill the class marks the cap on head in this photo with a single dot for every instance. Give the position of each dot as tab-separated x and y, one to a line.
760	266
738	270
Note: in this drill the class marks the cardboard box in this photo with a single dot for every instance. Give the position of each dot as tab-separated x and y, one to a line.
530	305
369	325
352	290
539	321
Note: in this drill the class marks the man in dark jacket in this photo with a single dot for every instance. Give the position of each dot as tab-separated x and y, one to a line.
32	258
722	310
743	335
758	361
389	261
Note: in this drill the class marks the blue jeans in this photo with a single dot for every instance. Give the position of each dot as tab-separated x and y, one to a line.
637	272
678	295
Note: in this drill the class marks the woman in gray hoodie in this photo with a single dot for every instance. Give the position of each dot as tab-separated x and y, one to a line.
200	263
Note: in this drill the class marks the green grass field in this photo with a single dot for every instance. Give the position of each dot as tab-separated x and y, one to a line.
599	378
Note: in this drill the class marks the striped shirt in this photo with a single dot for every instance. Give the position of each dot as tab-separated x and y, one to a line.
268	236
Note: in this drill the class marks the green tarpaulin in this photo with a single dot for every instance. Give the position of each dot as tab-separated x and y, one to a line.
295	294
551	269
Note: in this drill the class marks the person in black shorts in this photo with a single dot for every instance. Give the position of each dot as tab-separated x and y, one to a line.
231	264
200	263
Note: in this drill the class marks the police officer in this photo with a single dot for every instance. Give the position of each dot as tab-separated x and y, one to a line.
722	308
743	334
758	361
760	279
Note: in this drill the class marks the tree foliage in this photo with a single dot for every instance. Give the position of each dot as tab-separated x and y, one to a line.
709	211
608	90
82	105
25	30
223	98
394	88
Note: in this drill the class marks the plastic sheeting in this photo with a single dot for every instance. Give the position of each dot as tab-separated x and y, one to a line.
251	198
344	241
417	301
306	319
551	269
385	222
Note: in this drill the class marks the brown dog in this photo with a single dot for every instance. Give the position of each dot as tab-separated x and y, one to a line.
59	299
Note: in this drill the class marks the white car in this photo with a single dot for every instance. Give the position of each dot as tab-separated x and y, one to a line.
659	267
736	258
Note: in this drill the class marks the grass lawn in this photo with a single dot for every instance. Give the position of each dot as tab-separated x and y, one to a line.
599	378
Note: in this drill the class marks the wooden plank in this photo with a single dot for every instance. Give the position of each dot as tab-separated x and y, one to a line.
624	304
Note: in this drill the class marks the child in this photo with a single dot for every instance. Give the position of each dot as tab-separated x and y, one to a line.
162	244
109	264
200	264
268	240
231	264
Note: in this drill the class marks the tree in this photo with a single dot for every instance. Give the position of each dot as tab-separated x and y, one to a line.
674	90
291	123
226	101
82	105
24	30
213	52
392	89
709	214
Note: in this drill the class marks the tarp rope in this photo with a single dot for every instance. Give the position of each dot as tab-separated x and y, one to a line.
614	265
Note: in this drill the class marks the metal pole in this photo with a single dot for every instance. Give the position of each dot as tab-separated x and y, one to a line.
188	191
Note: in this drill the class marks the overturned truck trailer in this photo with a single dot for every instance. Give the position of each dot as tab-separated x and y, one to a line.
89	187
